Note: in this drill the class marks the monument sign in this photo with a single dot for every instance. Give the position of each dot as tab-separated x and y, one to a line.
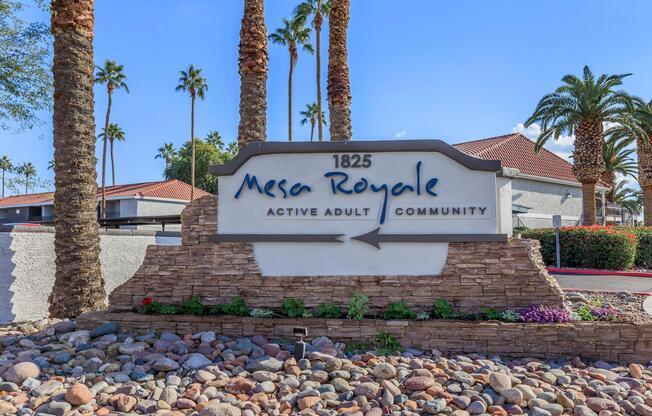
356	208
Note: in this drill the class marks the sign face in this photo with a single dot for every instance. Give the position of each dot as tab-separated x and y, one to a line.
556	221
356	208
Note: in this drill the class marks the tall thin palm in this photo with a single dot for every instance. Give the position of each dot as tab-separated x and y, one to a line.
318	9
114	133
339	85
113	76
293	34
310	116
580	106
628	198
252	67
28	170
166	152
194	84
642	113
213	137
618	159
5	166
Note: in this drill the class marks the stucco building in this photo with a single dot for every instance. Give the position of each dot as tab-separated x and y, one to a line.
540	185
147	199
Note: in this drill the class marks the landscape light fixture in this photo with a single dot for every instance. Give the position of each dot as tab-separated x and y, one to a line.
300	345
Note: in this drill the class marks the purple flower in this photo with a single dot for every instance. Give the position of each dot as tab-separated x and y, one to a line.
544	314
604	312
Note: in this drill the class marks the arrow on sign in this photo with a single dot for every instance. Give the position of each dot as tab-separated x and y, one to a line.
277	238
374	238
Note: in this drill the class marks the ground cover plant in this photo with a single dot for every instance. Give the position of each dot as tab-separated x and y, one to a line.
592	309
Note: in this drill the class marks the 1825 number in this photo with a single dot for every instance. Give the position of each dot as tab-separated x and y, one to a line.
355	160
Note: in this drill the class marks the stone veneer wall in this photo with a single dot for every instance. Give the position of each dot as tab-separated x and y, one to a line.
499	275
617	341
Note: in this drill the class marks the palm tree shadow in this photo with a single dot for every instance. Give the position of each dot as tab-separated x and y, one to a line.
7	267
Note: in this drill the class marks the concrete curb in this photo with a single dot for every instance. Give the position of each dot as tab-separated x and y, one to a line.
562	270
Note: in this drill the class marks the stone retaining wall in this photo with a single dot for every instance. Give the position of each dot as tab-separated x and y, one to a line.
613	341
476	275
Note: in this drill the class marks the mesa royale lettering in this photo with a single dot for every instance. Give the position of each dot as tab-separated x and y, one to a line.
340	184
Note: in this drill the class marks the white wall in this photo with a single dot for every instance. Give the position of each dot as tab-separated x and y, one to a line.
545	200
27	266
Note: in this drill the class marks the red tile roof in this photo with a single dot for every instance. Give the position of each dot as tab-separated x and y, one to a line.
173	189
517	151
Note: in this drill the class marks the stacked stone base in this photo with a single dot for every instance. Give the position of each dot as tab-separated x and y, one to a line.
615	341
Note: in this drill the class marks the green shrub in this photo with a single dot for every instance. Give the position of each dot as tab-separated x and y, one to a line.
643	245
386	344
519	229
328	310
442	309
592	247
156	307
491	314
192	306
215	310
292	307
237	307
357	306
423	316
398	310
510	316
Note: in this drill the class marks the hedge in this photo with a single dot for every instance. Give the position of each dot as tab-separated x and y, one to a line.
593	247
643	245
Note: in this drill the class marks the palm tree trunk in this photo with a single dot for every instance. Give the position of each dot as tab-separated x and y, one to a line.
339	88
78	285
3	183
588	204
644	154
290	97
253	74
112	166
192	141
312	131
26	184
105	138
609	178
320	128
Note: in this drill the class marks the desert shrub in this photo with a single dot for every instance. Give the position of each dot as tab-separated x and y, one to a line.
292	307
386	344
491	314
357	306
519	229
261	313
423	316
510	316
398	310
442	309
594	247
192	306
237	307
328	310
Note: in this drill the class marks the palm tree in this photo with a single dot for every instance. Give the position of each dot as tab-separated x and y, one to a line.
214	138
5	166
339	86
293	34
318	9
78	285
310	116
628	198
28	170
51	165
233	148
617	160
192	82
581	106
111	75
166	152
114	133
252	67
642	113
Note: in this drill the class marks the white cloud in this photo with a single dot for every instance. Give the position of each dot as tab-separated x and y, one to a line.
562	147
400	134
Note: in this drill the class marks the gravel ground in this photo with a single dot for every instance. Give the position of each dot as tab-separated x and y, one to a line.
50	368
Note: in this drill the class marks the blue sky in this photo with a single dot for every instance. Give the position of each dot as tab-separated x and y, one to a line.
454	70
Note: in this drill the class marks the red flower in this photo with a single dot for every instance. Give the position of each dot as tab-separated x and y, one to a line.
148	300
